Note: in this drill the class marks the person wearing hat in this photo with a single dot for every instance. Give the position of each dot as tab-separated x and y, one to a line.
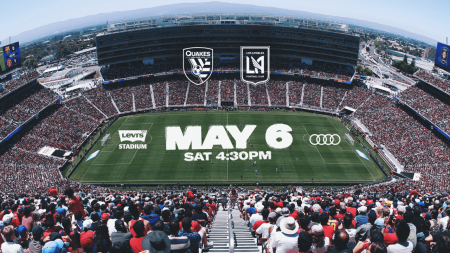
35	245
362	218
285	241
121	235
52	247
284	214
156	242
320	241
9	246
87	241
23	240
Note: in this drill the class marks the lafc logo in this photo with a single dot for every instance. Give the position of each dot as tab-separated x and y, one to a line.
255	64
198	64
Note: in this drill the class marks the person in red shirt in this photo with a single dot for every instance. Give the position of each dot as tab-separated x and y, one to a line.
265	215
74	204
328	230
350	207
136	243
342	211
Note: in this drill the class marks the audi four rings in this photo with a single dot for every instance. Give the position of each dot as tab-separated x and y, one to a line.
324	139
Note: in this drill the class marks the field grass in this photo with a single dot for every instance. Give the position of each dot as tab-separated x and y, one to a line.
157	165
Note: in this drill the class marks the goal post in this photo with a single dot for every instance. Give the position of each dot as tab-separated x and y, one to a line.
105	139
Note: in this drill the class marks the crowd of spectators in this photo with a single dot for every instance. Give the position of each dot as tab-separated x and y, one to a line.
160	92
295	92
356	96
196	95
177	92
241	92
395	216
311	95
122	97
212	93
277	92
101	99
409	141
399	216
434	80
227	90
429	106
18	81
142	96
258	94
332	96
22	107
82	106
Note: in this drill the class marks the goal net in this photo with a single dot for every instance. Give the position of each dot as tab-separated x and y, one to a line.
105	139
350	139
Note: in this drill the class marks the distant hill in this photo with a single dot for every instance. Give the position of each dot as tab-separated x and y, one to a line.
196	8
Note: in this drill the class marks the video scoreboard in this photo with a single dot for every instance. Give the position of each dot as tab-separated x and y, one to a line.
10	57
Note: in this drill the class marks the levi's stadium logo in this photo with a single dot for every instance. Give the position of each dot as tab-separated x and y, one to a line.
132	135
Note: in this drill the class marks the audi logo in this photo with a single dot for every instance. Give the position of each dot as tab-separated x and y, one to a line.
324	139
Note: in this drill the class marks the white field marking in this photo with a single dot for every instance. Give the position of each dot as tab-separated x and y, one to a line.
351	149
101	151
357	155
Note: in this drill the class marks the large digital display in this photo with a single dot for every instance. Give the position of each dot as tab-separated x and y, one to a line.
442	60
10	57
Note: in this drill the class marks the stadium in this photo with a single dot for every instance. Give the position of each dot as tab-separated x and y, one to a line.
312	137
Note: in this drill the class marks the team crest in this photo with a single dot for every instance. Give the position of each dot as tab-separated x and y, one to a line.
198	64
255	64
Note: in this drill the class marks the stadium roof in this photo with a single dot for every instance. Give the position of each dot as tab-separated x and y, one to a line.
217	19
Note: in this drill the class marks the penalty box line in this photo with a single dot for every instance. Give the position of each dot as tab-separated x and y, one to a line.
102	151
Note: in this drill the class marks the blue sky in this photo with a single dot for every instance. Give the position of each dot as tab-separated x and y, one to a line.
428	18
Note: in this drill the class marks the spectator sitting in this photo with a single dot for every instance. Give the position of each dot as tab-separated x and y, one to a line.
179	244
341	243
286	240
402	231
9	246
121	235
305	241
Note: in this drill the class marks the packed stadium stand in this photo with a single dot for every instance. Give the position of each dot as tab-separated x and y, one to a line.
66	125
394	215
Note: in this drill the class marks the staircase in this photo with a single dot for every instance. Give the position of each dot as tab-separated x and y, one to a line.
244	242
219	234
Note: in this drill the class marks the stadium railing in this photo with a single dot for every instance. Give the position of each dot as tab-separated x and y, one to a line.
230	231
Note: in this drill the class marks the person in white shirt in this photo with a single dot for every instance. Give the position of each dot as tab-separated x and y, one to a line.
403	245
320	241
257	216
268	230
9	246
286	241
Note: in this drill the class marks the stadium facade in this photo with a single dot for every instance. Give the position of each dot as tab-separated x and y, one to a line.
161	40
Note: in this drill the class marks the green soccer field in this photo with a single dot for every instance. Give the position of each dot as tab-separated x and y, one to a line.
155	164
